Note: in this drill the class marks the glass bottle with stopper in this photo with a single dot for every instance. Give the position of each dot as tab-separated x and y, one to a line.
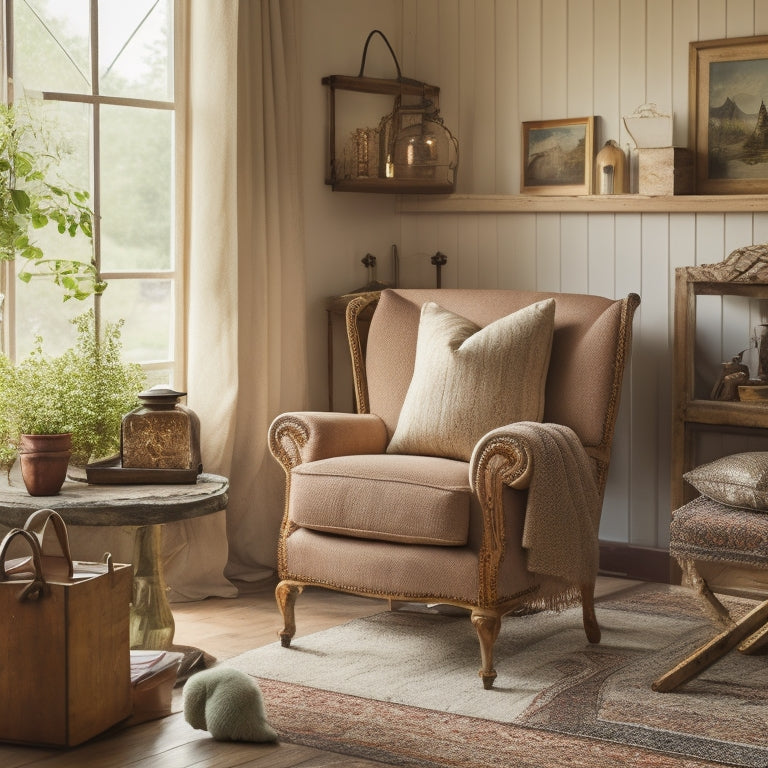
161	433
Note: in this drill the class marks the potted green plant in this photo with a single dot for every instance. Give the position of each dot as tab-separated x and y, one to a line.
32	196
36	411
100	388
81	394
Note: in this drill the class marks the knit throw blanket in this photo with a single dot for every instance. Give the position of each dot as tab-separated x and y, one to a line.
562	516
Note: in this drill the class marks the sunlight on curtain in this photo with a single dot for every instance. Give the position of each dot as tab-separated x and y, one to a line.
243	242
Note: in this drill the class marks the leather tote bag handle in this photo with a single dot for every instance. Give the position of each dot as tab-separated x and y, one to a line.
36	525
37	587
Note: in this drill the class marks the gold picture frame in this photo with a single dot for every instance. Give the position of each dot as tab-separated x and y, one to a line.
558	156
728	119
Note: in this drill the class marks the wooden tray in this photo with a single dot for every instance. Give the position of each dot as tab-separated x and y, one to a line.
111	471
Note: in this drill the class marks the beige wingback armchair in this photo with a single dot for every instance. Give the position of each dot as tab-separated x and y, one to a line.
470	476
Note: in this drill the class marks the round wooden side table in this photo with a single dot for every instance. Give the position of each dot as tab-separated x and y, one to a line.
143	507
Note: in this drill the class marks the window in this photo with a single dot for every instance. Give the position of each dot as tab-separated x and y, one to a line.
102	71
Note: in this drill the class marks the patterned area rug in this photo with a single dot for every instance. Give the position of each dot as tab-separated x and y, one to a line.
402	688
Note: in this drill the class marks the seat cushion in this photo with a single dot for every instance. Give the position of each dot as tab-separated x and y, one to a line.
469	380
705	529
410	499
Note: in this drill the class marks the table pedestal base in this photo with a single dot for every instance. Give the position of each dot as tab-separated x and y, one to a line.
151	622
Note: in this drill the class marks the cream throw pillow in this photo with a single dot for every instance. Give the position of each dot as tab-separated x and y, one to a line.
469	380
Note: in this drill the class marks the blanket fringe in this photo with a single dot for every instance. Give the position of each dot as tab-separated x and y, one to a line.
557	600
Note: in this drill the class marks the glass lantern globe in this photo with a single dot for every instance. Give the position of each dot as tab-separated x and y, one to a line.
416	147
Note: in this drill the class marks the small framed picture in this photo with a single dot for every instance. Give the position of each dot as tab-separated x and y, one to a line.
728	120
558	156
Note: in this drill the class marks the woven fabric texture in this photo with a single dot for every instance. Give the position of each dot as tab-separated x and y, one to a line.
705	529
740	480
469	380
375	497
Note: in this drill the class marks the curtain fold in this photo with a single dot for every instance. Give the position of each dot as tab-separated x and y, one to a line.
243	243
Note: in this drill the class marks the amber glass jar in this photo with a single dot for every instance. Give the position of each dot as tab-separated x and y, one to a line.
161	433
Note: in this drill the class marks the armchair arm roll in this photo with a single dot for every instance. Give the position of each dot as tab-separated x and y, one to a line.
299	437
504	454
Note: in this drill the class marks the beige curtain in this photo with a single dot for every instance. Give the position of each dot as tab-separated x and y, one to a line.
242	241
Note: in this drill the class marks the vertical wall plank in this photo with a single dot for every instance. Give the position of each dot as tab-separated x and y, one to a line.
467	131
448	243
426	66
580	64
659	54
654	330
739	18
467	248
508	242
574	247
712	19
507	78
606	73
632	84
484	169
548	252
554	61
448	77
487	252
523	273
603	251
684	31
529	45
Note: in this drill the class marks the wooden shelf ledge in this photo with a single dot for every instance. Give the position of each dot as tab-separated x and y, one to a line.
582	204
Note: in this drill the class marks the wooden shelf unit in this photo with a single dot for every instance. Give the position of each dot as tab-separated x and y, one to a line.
582	204
743	273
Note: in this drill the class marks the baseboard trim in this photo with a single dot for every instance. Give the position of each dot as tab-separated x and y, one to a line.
633	562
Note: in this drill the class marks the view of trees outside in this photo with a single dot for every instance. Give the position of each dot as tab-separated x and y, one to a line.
131	138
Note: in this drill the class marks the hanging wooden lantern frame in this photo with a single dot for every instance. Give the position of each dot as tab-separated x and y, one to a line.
362	164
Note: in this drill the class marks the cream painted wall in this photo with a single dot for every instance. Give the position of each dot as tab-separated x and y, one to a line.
498	63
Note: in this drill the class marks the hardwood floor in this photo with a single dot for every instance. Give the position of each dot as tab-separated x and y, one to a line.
223	628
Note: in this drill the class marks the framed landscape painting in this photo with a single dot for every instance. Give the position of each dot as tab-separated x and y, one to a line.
557	156
728	119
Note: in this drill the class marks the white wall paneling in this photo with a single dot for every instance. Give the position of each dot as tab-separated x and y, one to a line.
545	59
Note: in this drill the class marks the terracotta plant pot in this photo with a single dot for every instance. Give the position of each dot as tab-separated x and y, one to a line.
44	460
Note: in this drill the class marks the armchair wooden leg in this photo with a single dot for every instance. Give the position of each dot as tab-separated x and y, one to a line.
487	625
591	627
286	593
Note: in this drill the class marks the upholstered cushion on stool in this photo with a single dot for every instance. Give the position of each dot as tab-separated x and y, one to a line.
705	529
411	499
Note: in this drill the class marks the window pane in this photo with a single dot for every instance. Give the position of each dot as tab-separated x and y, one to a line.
40	311
146	307
136	187
51	46
67	126
134	49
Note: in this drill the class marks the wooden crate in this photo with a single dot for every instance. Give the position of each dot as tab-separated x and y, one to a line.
665	171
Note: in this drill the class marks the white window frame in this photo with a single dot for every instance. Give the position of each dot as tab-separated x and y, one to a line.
177	361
